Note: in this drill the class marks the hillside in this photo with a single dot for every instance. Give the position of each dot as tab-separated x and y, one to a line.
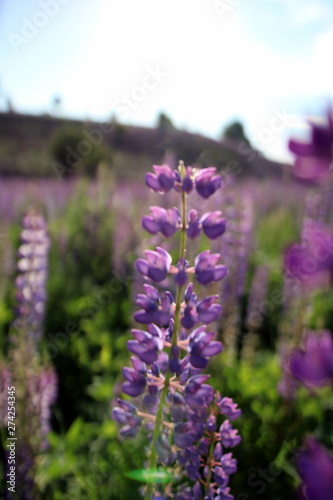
25	147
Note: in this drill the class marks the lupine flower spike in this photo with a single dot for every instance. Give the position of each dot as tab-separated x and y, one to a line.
189	425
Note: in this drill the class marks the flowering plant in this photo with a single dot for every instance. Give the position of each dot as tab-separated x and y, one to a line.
188	423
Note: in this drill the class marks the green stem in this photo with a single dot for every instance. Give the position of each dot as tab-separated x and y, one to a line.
209	463
159	415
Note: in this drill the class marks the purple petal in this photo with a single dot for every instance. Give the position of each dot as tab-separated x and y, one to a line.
212	349
142	266
152	182
150	224
220	272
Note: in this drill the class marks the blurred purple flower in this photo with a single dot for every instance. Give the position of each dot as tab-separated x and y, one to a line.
314	158
313	365
315	466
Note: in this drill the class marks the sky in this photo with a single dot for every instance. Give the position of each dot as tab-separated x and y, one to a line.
205	63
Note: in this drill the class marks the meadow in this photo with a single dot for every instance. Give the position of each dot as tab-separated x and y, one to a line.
95	235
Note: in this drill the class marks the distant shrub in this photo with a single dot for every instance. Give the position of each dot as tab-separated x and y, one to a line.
78	151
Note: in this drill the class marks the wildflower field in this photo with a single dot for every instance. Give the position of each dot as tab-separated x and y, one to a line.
168	337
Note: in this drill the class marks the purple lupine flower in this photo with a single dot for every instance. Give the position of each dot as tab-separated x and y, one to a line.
136	382
31	281
206	269
199	466
194	224
229	435
35	383
315	466
206	182
228	408
201	347
314	159
181	274
126	415
162	181
229	463
168	358
47	391
211	224
256	304
313	365
164	221
205	310
309	264
154	308
146	346
157	265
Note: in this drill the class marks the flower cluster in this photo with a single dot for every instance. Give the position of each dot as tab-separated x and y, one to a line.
32	266
189	424
35	383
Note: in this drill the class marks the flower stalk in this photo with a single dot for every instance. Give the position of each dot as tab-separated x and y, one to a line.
170	355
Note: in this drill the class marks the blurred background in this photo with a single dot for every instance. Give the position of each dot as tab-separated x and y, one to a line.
93	93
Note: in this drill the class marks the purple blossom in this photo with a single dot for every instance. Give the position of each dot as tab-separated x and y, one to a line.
206	269
31	281
146	346
164	221
126	415
313	365
181	274
136	382
157	265
194	224
162	181
205	310
314	158
211	224
168	358
206	182
315	466
154	309
229	435
229	409
229	463
201	347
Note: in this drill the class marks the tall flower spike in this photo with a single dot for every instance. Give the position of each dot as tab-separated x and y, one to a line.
179	407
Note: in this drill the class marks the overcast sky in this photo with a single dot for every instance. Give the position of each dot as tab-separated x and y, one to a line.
203	62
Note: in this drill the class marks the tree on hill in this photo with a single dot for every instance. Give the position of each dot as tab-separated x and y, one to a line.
235	131
164	123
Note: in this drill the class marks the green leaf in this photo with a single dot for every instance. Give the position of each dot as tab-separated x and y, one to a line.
150	475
